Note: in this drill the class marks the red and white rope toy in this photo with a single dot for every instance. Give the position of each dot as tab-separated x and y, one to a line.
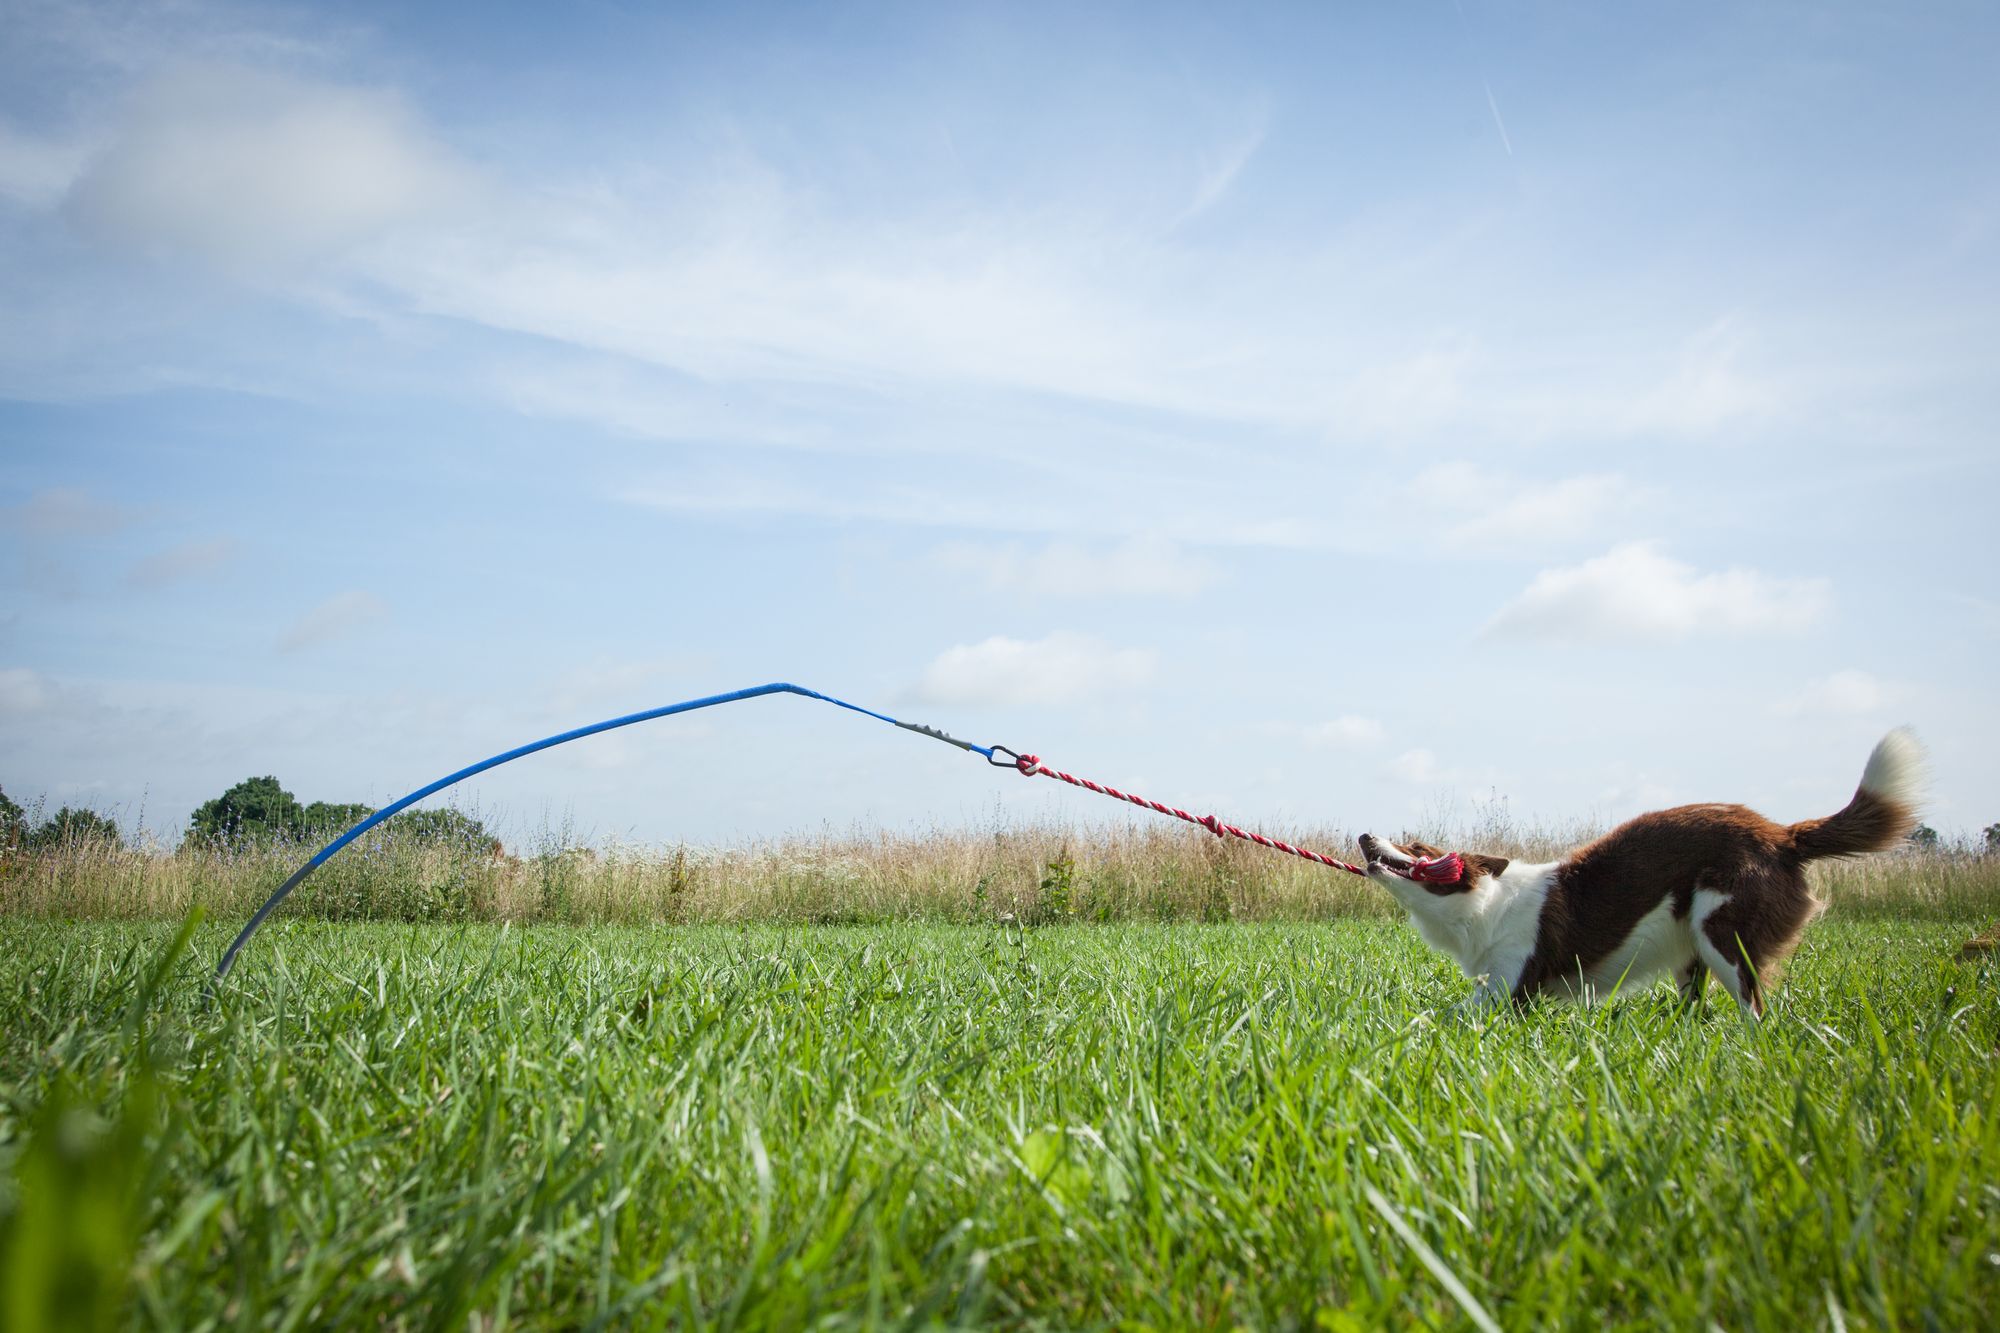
1446	869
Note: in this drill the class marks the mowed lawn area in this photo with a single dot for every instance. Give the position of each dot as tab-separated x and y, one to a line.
1263	1125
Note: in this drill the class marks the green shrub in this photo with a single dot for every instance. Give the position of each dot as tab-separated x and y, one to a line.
1055	897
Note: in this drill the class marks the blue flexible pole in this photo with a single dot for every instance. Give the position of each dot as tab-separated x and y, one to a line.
685	706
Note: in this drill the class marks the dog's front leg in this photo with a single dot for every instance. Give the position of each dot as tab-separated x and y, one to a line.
1487	996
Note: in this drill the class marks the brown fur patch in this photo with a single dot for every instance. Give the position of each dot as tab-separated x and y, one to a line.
1868	823
1604	889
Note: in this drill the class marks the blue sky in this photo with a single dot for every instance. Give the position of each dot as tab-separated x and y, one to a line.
1330	416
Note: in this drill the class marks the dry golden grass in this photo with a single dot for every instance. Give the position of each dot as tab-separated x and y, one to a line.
1037	873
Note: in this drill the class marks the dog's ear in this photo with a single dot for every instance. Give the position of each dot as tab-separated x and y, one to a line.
1477	865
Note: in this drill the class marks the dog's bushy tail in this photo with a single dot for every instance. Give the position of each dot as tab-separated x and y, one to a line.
1884	808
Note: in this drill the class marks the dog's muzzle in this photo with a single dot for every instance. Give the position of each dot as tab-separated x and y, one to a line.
1379	853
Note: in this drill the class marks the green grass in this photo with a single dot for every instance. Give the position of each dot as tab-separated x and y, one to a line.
1268	1125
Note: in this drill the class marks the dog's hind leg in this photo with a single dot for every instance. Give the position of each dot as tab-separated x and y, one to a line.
1747	925
1720	950
1739	977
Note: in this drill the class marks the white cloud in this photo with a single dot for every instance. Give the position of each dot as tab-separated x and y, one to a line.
642	401
36	171
772	491
726	256
1420	766
83	40
715	263
1141	566
768	288
249	170
987	500
67	512
1467	505
1422	390
24	691
1347	732
1060	669
338	615
1630	794
186	561
1985	614
1843	692
1711	387
1635	593
608	684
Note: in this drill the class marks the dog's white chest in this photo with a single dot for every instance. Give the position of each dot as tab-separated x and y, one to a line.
1491	932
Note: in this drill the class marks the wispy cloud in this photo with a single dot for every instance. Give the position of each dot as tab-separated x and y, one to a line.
84	39
1059	669
345	198
1469	505
1851	693
1420	767
23	691
342	195
336	617
1636	593
1498	123
1979	611
1629	790
1220	170
1002	500
1492	102
1713	386
1140	567
68	512
607	683
35	170
1414	391
189	560
1347	732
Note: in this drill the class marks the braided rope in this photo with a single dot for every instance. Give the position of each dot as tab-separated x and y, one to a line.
1030	765
1446	869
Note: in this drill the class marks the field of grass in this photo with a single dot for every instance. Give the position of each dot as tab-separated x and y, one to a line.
1265	1125
1141	870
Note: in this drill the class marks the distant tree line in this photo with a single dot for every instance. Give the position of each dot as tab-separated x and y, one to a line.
259	810
1925	838
65	827
256	811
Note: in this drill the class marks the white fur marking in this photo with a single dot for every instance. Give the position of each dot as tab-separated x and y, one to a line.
1658	942
1488	930
1726	968
1895	769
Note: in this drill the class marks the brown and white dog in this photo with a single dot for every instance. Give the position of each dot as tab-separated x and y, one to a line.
1697	890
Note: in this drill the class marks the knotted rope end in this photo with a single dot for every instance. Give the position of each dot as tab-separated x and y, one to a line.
1446	869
